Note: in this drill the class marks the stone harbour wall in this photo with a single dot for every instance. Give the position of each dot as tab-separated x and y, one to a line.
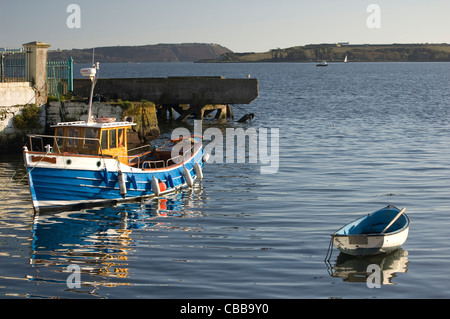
12	138
16	93
78	111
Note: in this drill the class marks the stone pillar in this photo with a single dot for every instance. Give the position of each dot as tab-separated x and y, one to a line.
36	69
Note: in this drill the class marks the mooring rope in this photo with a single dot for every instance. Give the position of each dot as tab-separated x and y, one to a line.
9	182
328	257
329	251
3	196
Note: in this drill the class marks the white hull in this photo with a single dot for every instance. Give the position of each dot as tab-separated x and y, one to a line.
361	245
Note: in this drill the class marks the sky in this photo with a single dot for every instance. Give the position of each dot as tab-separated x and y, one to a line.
239	25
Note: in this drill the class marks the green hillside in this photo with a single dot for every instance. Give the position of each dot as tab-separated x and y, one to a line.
185	52
335	53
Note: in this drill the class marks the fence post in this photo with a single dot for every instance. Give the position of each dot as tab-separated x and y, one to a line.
36	68
70	79
1	76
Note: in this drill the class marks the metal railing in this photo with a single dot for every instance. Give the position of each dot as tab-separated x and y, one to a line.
153	164
59	77
133	160
56	144
13	66
161	163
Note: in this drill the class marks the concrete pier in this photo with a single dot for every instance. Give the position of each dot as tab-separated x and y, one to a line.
196	96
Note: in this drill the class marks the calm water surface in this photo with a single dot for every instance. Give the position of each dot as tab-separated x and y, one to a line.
353	138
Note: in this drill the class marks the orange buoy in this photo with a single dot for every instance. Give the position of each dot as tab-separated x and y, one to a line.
162	186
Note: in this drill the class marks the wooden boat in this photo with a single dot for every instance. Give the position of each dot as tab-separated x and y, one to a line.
379	232
88	162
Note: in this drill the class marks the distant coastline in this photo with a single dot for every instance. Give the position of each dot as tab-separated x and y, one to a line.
215	53
183	52
337	53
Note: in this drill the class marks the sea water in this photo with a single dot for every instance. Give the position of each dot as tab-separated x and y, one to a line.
353	138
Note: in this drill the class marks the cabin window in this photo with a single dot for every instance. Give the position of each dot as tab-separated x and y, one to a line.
121	138
104	140
60	131
60	141
90	133
73	132
112	139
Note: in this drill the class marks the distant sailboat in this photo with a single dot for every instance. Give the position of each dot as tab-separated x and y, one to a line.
345	60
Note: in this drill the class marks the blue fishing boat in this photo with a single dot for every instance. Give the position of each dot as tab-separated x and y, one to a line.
379	232
88	163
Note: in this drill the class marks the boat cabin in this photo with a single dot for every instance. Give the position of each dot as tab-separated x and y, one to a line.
97	138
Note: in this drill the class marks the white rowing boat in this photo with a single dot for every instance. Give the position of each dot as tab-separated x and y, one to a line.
379	232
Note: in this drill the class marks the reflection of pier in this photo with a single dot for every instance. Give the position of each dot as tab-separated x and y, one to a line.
354	269
192	95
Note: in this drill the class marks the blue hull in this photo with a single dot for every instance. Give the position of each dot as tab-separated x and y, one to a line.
54	188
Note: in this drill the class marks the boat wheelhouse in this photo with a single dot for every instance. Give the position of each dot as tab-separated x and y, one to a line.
99	138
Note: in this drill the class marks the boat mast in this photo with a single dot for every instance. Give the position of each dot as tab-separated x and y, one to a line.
92	73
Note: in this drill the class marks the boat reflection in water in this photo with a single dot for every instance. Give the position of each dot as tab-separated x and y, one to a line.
355	269
100	241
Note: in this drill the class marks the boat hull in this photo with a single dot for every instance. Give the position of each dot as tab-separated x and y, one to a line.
363	245
62	181
355	238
